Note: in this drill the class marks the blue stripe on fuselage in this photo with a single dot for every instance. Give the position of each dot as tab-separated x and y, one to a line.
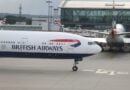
43	55
76	45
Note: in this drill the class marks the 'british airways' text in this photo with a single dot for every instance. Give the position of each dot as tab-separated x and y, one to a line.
38	48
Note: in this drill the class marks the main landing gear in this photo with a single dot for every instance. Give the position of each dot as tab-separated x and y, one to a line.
75	67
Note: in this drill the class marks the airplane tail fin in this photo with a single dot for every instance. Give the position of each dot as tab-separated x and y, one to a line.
112	32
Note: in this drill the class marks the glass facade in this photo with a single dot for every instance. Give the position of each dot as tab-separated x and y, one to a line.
92	18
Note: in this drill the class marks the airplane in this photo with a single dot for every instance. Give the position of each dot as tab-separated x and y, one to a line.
53	45
116	37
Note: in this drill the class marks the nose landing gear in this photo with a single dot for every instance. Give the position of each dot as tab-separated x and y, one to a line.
75	67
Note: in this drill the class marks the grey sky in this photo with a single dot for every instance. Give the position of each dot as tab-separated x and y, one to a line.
36	7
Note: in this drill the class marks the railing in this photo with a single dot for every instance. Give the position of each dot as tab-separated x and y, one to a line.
85	32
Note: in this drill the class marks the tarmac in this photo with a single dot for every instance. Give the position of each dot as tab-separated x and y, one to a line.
104	71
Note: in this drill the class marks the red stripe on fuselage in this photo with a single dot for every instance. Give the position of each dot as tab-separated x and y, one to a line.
65	40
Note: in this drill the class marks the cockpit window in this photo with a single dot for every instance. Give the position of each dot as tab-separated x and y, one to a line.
91	43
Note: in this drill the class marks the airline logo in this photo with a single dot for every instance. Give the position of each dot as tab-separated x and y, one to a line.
75	42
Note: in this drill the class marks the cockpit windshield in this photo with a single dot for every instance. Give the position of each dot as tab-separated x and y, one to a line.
91	43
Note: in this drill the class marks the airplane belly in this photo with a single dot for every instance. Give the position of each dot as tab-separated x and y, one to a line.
43	55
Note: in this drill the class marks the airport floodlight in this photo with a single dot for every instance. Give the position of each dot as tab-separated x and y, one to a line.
49	13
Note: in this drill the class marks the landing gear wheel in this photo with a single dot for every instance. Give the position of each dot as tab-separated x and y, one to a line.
74	68
76	61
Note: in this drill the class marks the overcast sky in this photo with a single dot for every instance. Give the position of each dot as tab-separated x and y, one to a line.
36	7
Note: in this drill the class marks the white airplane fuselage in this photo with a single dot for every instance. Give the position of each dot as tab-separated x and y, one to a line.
45	45
115	40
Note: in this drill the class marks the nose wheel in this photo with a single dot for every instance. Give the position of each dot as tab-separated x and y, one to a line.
75	68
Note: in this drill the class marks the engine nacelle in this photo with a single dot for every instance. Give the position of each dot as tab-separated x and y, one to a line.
120	28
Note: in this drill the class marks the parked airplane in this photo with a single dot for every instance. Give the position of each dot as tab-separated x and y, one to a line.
58	45
115	38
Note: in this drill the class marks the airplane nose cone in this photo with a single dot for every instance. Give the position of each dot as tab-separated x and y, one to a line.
98	49
94	49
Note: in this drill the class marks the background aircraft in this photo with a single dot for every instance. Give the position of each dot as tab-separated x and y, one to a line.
55	45
115	37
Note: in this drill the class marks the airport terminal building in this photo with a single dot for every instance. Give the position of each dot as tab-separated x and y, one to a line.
94	14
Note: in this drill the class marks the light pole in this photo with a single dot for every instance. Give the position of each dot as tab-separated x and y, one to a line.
49	12
51	17
56	12
20	10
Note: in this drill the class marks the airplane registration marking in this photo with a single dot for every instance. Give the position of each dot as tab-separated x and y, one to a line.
106	72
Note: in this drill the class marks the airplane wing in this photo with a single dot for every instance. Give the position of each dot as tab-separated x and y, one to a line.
99	40
98	32
126	40
124	33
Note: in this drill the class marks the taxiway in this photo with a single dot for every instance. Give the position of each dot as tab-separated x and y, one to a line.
104	71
